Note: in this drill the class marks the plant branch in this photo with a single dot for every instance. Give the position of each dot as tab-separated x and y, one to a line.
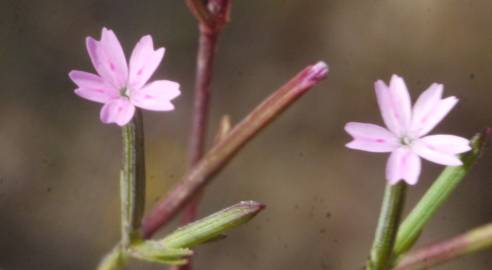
218	156
389	218
211	18
437	194
461	245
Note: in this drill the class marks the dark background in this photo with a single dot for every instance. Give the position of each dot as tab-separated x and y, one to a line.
59	164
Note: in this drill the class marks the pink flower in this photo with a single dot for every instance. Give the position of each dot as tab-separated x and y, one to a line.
121	87
405	135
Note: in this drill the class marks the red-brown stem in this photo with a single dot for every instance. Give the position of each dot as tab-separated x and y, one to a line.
207	44
473	241
218	156
204	69
211	17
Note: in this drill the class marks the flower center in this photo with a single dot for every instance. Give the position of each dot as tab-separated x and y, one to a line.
405	140
125	92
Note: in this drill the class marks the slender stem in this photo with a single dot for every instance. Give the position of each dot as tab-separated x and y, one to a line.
204	68
393	200
132	180
437	194
199	10
115	260
207	43
206	51
218	156
461	245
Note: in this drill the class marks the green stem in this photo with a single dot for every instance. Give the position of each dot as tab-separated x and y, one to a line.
467	243
115	260
436	195
394	197
132	180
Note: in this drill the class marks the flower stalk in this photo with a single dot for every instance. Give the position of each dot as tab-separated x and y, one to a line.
392	206
438	194
132	180
218	156
461	245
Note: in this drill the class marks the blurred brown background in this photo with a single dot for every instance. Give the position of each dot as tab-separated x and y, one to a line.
59	165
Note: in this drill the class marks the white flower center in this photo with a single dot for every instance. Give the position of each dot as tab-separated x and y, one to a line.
406	140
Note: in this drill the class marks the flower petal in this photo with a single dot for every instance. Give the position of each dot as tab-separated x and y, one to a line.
143	62
441	149
156	96
371	138
394	104
92	87
426	102
429	119
403	164
108	58
119	111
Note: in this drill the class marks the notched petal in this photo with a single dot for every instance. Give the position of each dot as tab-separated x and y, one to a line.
119	111
144	61
156	96
403	165
436	152
371	138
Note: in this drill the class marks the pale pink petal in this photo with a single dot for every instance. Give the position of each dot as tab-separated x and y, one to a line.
119	111
92	87
403	164
394	104
425	104
108	58
441	149
371	138
434	116
143	62
156	96
448	143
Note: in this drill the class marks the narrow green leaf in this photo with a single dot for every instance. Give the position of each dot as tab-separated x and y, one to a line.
156	251
211	227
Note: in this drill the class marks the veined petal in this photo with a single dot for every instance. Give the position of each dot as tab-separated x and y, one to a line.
92	87
108	58
156	96
371	138
441	149
144	61
434	116
119	111
403	164
425	104
394	104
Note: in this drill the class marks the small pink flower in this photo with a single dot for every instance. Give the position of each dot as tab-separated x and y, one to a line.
121	87
405	135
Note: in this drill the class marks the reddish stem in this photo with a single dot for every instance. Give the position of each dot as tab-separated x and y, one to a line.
211	18
218	156
204	69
